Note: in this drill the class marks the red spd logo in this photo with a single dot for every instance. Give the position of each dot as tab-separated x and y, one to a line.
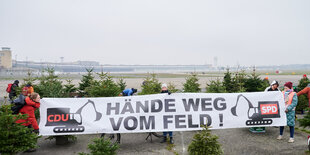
269	109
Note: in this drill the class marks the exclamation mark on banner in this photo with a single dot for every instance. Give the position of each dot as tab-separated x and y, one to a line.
221	119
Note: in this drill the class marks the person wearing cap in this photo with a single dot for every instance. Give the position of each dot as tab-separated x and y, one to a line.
291	99
164	89
27	90
273	86
304	76
306	90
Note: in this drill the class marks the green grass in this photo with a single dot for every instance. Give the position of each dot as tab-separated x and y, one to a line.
303	130
170	147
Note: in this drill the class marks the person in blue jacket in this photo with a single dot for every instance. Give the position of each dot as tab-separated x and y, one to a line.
164	89
291	100
129	92
126	92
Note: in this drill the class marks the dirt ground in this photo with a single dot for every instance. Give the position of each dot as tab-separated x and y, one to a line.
238	141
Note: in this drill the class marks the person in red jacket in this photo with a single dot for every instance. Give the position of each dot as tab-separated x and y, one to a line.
27	90
32	103
306	90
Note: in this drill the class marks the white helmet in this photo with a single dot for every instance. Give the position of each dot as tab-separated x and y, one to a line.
274	82
164	85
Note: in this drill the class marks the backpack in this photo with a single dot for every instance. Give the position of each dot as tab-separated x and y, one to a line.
9	88
18	104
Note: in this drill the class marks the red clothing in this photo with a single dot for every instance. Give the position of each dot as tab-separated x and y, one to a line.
305	91
29	109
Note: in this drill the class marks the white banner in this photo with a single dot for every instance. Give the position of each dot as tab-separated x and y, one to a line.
160	112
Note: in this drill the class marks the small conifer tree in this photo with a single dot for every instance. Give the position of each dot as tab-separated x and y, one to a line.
69	88
121	84
86	81
227	82
14	137
172	88
254	84
49	84
305	122
104	87
239	81
102	147
150	85
191	84
29	79
303	83
215	86
234	83
204	143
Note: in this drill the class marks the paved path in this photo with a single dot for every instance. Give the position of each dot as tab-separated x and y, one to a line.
234	142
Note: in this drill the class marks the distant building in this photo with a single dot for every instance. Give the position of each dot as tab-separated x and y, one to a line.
215	62
88	63
5	58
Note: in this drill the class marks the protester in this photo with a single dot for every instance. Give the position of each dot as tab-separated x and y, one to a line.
129	92
273	86
126	92
291	100
13	90
164	89
304	76
32	103
306	90
27	90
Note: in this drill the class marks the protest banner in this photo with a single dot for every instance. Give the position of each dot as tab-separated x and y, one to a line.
160	112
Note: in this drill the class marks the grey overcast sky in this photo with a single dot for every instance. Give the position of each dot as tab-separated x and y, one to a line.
245	32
